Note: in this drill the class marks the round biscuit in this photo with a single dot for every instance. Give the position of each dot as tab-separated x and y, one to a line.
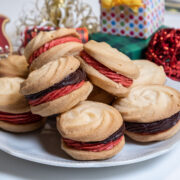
11	101
89	121
44	37
149	103
49	74
150	73
112	58
63	103
154	137
89	155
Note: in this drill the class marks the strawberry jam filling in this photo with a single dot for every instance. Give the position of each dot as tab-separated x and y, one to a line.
97	146
24	118
154	127
125	81
51	44
70	83
56	94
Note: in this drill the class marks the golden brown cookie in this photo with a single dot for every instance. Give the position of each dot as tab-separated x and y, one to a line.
99	95
56	87
150	73
108	68
91	130
11	101
48	46
151	112
15	115
22	128
14	66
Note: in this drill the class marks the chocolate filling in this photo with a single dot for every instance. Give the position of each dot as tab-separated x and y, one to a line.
154	127
73	78
113	137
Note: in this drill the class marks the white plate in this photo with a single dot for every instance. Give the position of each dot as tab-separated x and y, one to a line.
44	147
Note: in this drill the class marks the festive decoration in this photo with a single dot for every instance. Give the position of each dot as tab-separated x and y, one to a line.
121	20
133	4
59	13
5	44
164	49
132	47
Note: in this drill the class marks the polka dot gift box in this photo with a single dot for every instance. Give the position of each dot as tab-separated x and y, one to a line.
123	20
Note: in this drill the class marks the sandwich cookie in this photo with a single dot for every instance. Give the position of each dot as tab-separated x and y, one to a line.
108	68
15	115
14	66
91	131
56	87
150	73
99	95
48	46
150	112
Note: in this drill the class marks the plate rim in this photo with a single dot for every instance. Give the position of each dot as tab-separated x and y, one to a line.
87	164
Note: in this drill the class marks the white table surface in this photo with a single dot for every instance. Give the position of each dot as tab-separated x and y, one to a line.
165	167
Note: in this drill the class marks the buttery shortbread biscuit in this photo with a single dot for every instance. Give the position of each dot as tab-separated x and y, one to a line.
46	47
22	128
88	124
150	73
14	66
56	87
151	112
11	100
15	115
108	68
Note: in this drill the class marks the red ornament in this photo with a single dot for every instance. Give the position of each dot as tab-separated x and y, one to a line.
164	49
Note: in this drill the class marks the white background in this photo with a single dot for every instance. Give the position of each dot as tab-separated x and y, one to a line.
166	167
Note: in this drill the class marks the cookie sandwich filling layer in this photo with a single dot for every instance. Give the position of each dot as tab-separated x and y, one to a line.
97	146
154	127
118	78
51	44
23	118
71	83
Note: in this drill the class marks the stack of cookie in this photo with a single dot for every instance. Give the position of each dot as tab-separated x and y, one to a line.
129	97
56	82
115	75
15	114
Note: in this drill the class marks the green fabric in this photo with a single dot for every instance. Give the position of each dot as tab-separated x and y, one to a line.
132	47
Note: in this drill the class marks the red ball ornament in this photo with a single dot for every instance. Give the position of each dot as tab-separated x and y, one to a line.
164	49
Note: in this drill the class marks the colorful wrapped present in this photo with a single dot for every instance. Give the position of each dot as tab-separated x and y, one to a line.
124	20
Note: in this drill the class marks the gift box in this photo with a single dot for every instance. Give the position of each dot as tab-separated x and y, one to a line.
122	20
133	47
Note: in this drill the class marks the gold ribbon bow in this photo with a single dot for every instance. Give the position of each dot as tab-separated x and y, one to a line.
133	4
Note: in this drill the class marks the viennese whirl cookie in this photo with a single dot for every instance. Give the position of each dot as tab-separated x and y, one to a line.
91	130
150	73
15	115
151	112
48	46
108	68
56	87
14	66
